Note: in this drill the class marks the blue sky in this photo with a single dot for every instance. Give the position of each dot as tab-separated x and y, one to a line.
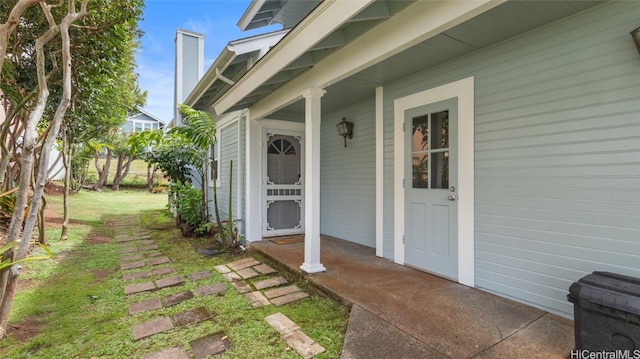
216	19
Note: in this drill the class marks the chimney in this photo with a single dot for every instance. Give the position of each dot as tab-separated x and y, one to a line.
189	69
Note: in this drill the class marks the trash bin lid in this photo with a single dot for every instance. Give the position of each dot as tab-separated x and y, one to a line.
608	289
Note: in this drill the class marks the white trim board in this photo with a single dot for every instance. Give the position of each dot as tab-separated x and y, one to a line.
464	91
380	171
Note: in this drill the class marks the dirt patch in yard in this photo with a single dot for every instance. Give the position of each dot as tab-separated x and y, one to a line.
102	274
97	239
24	284
25	330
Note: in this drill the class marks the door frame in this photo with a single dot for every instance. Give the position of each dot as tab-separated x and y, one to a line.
464	91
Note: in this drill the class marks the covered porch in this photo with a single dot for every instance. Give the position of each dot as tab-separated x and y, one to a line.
401	312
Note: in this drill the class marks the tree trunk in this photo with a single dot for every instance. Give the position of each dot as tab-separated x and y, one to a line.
103	172
151	177
66	162
42	239
122	170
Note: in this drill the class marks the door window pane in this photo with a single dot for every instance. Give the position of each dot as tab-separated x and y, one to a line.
421	170
440	125
420	133
430	150
440	170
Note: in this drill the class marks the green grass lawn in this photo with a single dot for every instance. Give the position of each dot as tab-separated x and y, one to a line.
74	306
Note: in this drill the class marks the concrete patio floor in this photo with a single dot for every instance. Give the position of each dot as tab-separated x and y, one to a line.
406	313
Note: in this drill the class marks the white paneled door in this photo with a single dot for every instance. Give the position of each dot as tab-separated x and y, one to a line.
431	240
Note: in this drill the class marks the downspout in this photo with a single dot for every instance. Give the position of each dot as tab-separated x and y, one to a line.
221	77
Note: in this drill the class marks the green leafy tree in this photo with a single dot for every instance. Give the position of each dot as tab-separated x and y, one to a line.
39	83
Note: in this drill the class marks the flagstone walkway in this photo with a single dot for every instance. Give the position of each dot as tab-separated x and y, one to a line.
141	259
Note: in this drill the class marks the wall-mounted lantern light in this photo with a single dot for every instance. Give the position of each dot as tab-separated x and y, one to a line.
345	129
635	34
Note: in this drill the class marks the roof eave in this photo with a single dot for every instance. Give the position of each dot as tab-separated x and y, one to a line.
321	22
250	13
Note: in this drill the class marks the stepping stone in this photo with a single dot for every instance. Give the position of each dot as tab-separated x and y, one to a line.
302	344
148	247
130	258
146	241
243	263
210	345
232	276
137	288
211	289
171	353
281	323
145	306
162	271
222	269
158	260
242	286
264	269
128	250
278	292
142	237
200	275
124	239
135	275
247	273
169	282
154	253
155	326
256	299
196	315
131	265
286	299
269	283
177	298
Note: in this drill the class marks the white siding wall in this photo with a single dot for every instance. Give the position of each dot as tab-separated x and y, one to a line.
347	176
557	154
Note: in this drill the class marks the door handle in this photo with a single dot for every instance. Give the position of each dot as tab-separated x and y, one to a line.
452	197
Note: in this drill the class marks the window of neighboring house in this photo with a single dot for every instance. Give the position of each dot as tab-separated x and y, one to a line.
142	126
214	160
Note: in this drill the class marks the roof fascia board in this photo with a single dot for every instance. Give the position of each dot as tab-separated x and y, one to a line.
249	44
142	111
417	23
226	57
326	18
222	62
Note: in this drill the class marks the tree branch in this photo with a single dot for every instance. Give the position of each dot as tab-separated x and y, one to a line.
10	25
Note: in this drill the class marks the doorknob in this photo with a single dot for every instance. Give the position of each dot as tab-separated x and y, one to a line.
451	197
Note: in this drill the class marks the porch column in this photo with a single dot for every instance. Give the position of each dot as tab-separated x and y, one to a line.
312	181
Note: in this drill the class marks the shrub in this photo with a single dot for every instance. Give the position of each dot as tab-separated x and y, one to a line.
187	204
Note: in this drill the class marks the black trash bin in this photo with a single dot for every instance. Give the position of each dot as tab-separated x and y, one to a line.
606	310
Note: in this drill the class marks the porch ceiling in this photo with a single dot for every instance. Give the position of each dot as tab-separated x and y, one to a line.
500	23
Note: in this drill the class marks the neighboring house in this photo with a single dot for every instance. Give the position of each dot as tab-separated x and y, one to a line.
495	143
142	121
